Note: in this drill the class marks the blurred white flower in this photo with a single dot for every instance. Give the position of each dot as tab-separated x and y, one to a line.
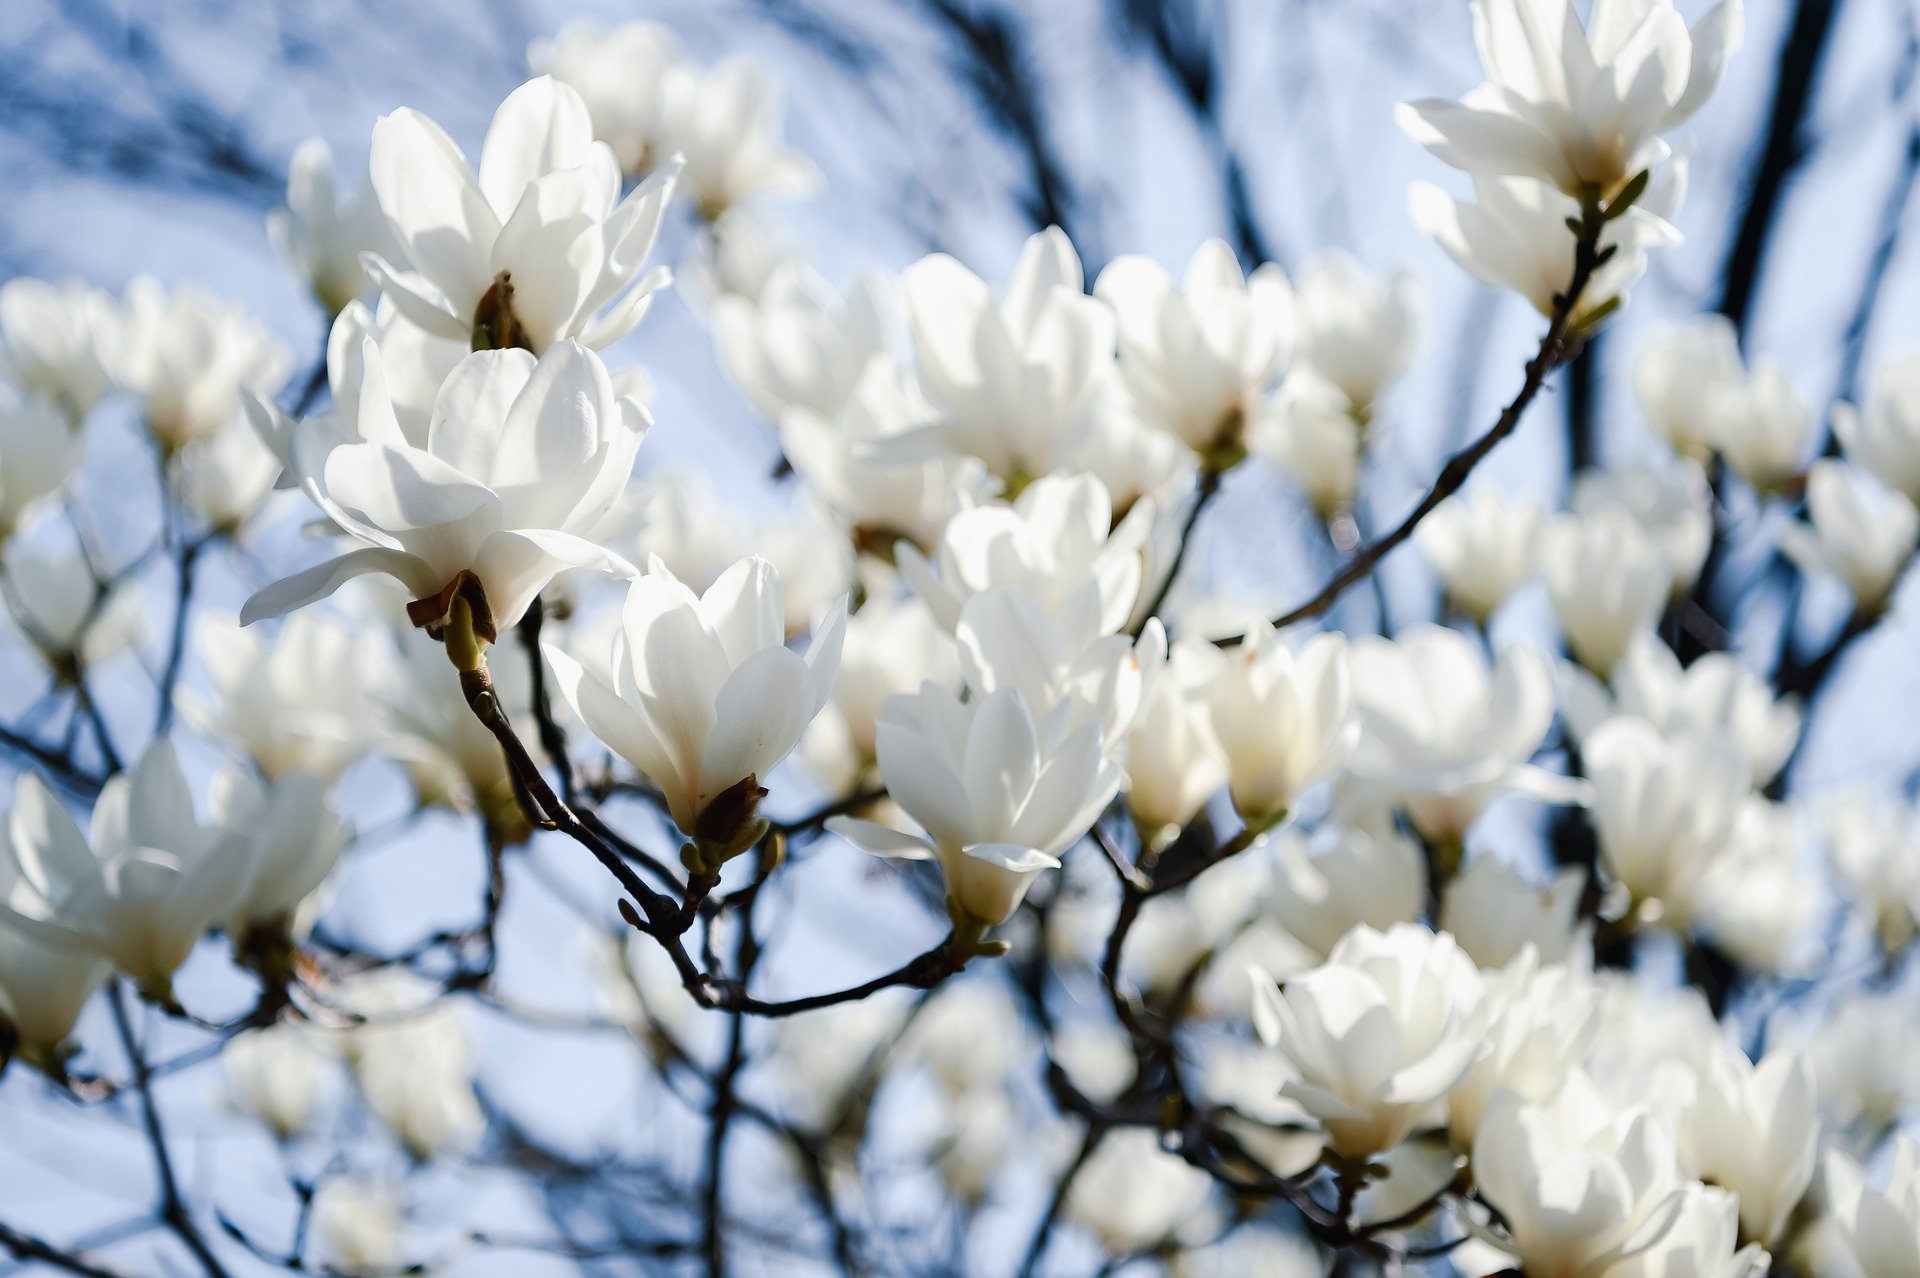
1877	1230
425	724
69	621
621	74
1664	808
413	1062
1495	914
538	247
188	358
1763	428
727	120
1753	1130
1671	504
40	448
1485	545
277	1075
706	698
1309	429
321	231
1608	582
358	1225
1681	379
46	976
295	702
971	1036
292	840
1196	358
819	1059
1861	532
798	346
1355	329
674	515
1761	900
1375	1036
54	339
1285	719
1866	1060
225	476
1884	440
1132	1194
1174	762
1540	1025
1871	844
1325	887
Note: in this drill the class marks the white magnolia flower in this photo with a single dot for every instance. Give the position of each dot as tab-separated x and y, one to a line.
621	74
39	451
1608	582
880	500
424	723
1494	913
46	977
297	702
1284	718
1174	763
358	1225
1310	430
522	458
413	365
292	840
1515	236
53	340
1700	1243
971	1037
277	1075
1485	545
1672	505
1762	900
1266	1250
727	120
999	795
322	231
1663	809
810	552
891	647
1010	378
1056	544
1442	735
69	620
741	255
1754	1130
1355	329
141	887
818	1060
1541	1023
188	358
1764	427
1132	1194
1376	1036
226	476
969	1139
1871	844
1135	461
1884	440
798	346
1866	1059
1861	532
675	515
1324	888
1716	694
537	247
1580	1184
1682	378
1877	1231
1196	358
706	699
1579	106
412	1061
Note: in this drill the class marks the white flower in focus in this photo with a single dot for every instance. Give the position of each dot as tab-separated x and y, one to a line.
297	702
188	358
321	231
1174	763
999	795
53	340
1132	1194
1009	377
621	75
706	698
538	247
1195	359
1754	1130
358	1225
798	346
1540	1025
1580	1184
1607	580
1309	429
1663	810
726	120
1579	106
1682	378
1442	735
1355	329
1375	1036
522	459
1325	888
1485	545
1861	532
276	1075
1877	1230
1495	914
1884	440
1285	719
292	840
1715	694
1672	505
69	621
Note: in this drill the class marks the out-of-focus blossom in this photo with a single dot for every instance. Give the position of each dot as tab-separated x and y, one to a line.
727	120
1608	582
1754	1130
1132	1194
536	248
226	476
292	840
358	1225
321	231
1761	900
1884	440
424	723
1672	505
1325	888
1866	1061
1174	762
1860	531
1494	913
1309	429
52	341
1877	1230
1681	378
971	1036
621	73
1663	809
413	1062
1700	1243
1355	329
46	977
1484	545
295	703
277	1075
1872	845
188	358
798	346
1540	1025
69	620
1284	718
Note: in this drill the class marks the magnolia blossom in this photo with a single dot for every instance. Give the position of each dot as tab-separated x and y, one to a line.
1375	1036
799	346
1607	580
277	1075
1131	1193
1284	718
69	620
1700	1243
358	1225
1866	1061
706	699
1443	735
1009	377
1310	430
1761	899
819	1060
422	721
53	341
538	247
741	255
141	887
1174	763
412	1060
296	703
1682	379
891	647
1672	505
188	358
46	977
1871	844
1876	1231
1860	532
1580	106
1763	427
39	451
1754	1130
999	795
1663	809
1325	888
1495	914
1884	440
1357	331
292	839
726	120
1195	359
970	1037
321	232
1541	1023
522	457
1056	544
226	476
1484	545
621	74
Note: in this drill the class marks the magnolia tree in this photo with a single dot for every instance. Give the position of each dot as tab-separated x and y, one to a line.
1201	938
